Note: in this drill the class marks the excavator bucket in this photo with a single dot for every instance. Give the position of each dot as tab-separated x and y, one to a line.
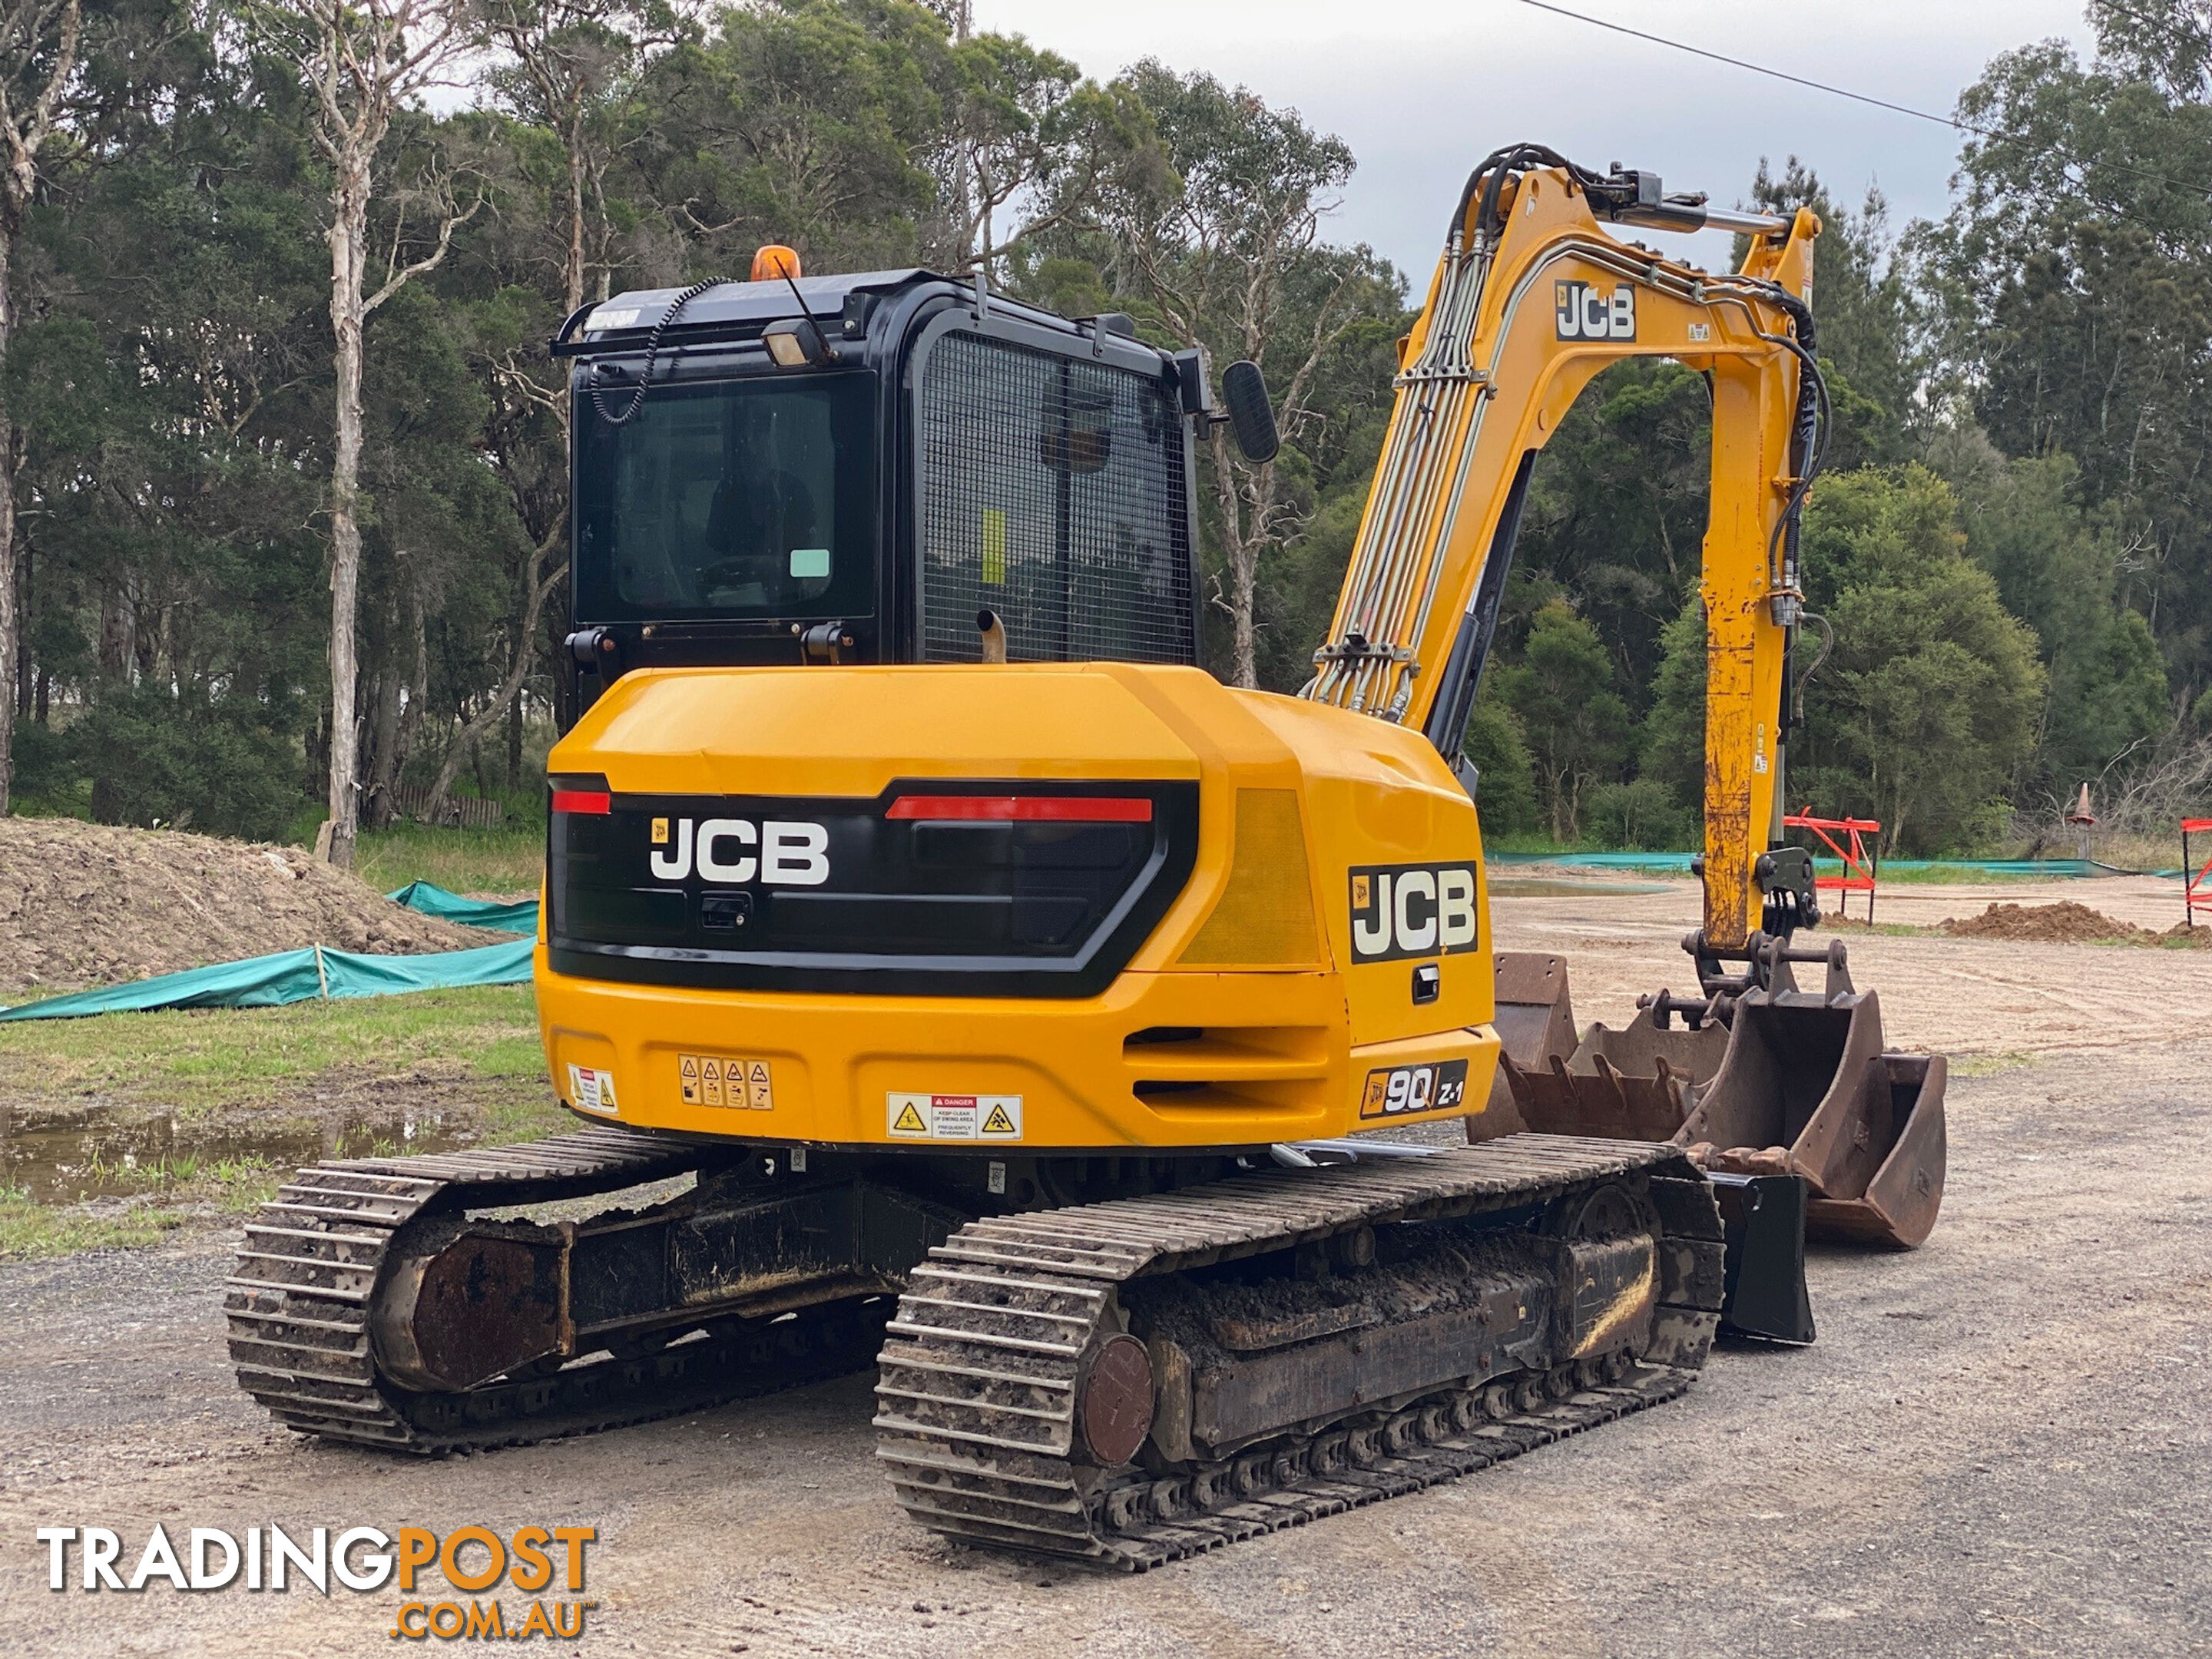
1534	1019
1764	1080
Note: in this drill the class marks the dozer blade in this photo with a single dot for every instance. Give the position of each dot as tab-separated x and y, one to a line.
1770	1081
1764	1219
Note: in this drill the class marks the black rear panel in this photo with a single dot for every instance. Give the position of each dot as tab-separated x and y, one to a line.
931	889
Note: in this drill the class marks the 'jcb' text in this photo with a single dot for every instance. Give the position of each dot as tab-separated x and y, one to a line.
1413	911
778	854
1588	312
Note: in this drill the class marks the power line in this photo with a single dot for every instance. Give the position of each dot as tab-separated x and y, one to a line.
1952	122
1757	68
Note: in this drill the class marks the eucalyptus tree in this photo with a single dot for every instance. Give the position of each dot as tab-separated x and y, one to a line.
1227	249
363	63
39	41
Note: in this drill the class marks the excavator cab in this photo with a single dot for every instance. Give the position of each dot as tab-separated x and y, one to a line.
854	469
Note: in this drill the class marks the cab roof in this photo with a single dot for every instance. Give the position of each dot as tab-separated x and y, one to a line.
639	309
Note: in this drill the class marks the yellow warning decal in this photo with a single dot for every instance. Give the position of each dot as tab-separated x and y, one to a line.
726	1080
591	1090
994	544
660	832
953	1117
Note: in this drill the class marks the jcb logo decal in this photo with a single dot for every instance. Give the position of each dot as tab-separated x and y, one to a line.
779	854
1413	911
1588	312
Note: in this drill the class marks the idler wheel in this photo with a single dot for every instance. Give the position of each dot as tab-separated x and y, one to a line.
1252	1473
1210	1486
1113	1400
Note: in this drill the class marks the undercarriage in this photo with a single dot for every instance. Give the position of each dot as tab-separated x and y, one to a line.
1188	1352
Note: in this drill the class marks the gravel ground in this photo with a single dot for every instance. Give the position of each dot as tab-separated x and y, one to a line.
2001	1443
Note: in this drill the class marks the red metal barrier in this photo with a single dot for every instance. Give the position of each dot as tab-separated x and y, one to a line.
2196	894
1860	866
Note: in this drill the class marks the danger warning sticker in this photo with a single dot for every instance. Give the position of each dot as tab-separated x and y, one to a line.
953	1117
592	1090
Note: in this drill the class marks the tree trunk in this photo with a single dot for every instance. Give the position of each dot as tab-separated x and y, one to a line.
464	741
116	627
26	577
572	287
384	744
11	630
1241	546
349	228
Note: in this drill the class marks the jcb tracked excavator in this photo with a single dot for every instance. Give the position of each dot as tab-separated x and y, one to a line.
1018	998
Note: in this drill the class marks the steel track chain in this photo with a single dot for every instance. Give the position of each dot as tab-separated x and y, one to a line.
980	1367
299	1301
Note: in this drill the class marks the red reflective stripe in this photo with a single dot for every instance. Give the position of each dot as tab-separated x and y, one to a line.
583	800
1030	809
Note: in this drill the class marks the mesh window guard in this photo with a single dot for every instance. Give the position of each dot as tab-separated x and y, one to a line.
1052	492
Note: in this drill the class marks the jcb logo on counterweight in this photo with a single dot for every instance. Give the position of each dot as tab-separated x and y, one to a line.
1588	312
1413	911
781	855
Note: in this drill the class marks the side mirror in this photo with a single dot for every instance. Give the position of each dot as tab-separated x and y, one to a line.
1251	417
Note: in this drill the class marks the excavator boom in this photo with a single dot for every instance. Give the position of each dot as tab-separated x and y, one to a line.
1533	299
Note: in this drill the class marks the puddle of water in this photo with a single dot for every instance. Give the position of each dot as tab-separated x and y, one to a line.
66	1161
1543	887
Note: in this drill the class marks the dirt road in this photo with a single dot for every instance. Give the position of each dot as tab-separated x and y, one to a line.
2001	1443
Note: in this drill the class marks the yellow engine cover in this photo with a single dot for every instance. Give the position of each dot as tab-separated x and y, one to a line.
1324	968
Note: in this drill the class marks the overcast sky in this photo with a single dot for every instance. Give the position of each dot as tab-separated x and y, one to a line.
1424	89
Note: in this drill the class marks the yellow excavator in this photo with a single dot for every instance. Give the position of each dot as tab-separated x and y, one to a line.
997	996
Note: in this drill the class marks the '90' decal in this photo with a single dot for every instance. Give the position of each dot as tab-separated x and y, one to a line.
1401	910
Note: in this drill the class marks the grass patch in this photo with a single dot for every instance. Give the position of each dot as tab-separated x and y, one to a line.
232	1099
175	1193
1832	923
192	1059
1949	875
1990	1064
505	860
31	1232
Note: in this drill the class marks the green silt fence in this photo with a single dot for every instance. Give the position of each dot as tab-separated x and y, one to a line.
318	972
432	900
293	976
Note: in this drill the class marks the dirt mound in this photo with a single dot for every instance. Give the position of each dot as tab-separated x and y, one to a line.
2067	923
86	904
2064	923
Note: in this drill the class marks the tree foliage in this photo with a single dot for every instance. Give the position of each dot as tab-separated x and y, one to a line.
2013	548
